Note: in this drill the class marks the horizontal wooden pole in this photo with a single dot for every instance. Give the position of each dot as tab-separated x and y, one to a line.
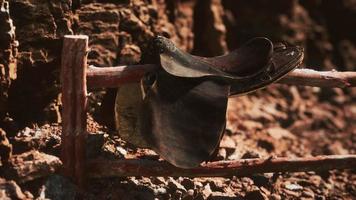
112	77
309	77
245	167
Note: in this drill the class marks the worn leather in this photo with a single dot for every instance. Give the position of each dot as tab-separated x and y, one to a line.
179	110
284	59
242	63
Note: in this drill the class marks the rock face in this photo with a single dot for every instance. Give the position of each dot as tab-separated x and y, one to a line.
316	25
8	51
120	33
30	166
5	148
40	26
10	190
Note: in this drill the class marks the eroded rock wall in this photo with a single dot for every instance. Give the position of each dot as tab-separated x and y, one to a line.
120	32
8	53
326	29
40	25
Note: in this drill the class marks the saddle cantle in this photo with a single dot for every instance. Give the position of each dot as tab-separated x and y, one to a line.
253	66
284	59
179	110
242	63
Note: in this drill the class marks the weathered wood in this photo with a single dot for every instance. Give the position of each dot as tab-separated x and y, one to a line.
73	76
244	167
80	87
309	77
114	76
69	53
74	87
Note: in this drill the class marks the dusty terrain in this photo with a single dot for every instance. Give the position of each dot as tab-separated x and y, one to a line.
280	120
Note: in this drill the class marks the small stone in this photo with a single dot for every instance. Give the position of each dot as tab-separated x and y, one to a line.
246	181
28	194
266	144
133	181
145	180
187	183
220	196
10	190
189	195
291	193
58	187
265	191
52	113
308	193
248	125
293	187
121	151
275	197
216	184
336	148
279	133
250	154
255	195
206	192
198	184
173	185
221	154
227	142
320	197
315	180
260	180
199	196
41	138
177	195
158	180
5	148
160	191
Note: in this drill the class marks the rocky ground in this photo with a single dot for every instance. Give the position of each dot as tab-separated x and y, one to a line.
280	120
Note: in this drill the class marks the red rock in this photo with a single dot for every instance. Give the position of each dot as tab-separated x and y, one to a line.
256	195
10	190
5	148
31	165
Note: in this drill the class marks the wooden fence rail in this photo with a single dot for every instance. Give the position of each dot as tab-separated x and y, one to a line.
76	76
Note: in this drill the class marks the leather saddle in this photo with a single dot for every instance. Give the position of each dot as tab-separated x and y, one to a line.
179	110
